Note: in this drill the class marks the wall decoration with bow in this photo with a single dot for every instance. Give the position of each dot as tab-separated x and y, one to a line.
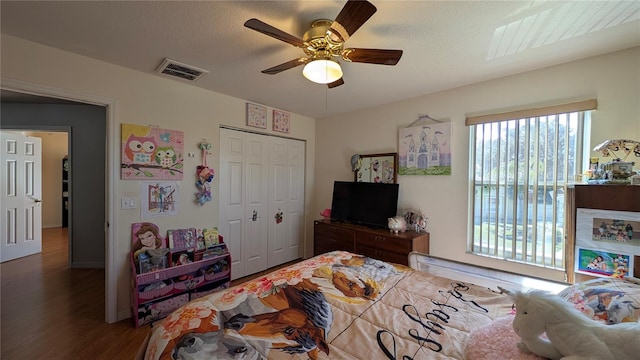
204	175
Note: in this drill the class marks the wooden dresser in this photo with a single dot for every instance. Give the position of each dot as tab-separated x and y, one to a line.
380	244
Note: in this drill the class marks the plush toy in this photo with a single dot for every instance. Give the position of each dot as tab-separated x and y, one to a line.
326	213
569	334
497	337
416	220
157	255
397	224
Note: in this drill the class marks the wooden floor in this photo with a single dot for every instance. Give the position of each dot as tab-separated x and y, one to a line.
49	311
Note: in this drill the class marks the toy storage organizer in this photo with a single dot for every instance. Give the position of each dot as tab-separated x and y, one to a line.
180	284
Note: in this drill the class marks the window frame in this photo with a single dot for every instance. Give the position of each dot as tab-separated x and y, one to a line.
583	109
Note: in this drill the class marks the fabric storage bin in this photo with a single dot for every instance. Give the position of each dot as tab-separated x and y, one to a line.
153	311
216	270
188	281
149	291
210	288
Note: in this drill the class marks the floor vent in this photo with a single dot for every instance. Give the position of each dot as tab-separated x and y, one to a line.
177	69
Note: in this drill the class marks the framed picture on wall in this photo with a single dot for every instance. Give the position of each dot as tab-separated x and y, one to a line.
281	121
425	149
256	115
380	168
151	153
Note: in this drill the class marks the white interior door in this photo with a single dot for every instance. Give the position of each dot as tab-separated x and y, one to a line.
257	204
286	182
279	187
231	210
21	224
243	191
295	206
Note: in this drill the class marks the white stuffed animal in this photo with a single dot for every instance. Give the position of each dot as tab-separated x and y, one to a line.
397	224
569	334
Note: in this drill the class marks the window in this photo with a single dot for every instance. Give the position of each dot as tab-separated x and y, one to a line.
521	164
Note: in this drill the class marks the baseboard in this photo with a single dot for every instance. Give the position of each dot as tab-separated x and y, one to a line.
478	275
125	314
87	265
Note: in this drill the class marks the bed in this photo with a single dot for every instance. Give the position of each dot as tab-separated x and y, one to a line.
341	305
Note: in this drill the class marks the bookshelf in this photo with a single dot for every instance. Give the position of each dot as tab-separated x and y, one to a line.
65	192
158	293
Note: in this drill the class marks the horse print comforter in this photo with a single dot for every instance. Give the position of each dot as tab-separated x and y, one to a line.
333	306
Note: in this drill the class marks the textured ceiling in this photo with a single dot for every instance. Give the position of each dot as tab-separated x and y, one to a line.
446	43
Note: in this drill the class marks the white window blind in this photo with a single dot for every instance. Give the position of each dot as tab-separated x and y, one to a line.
521	163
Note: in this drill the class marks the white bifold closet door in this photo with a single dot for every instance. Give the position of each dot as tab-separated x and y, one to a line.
261	215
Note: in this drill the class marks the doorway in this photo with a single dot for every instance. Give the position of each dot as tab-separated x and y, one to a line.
55	191
89	126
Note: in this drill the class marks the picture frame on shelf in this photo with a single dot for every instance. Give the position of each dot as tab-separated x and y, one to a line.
614	235
382	168
281	121
256	116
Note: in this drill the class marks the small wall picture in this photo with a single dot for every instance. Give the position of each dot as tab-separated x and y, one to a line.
281	121
603	263
159	198
256	115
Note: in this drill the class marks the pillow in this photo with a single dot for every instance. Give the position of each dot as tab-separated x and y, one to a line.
607	300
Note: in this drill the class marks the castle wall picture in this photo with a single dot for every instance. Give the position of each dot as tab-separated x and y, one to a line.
425	150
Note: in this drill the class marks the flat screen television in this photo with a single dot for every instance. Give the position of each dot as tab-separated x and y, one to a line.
370	204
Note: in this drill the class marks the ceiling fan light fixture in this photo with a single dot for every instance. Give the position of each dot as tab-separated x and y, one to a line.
322	71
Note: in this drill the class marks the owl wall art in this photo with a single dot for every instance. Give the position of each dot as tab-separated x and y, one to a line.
149	152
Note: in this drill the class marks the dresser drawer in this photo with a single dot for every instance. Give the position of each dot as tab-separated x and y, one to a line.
388	256
323	244
333	232
327	237
387	243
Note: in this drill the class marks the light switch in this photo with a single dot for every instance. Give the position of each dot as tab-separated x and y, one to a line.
127	203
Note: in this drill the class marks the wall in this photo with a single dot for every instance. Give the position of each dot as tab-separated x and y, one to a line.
54	148
142	98
614	79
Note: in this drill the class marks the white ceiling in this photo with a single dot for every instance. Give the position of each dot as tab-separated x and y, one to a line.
446	43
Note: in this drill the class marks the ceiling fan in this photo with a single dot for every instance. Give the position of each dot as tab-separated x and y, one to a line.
325	40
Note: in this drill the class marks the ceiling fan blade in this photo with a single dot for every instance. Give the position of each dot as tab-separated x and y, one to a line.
285	66
372	56
351	17
336	83
267	29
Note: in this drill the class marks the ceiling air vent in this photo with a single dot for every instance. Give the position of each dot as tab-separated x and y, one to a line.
177	69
